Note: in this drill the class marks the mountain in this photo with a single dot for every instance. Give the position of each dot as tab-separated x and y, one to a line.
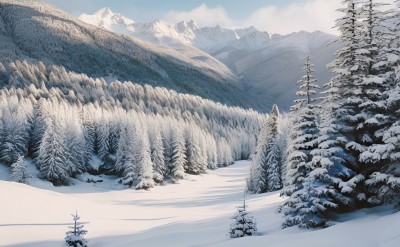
36	31
268	65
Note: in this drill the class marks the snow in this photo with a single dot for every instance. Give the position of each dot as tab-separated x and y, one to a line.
196	212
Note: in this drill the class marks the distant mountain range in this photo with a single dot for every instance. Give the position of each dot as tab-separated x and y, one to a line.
33	31
268	66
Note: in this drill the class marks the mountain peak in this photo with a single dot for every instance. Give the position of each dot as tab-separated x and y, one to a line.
103	12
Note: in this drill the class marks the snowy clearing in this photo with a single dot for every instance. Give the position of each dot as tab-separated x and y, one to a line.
195	212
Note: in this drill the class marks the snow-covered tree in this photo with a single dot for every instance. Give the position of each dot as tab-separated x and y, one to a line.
177	157
14	132
244	225
157	155
196	162
103	138
76	236
308	202
53	154
19	171
144	167
265	173
307	88
125	163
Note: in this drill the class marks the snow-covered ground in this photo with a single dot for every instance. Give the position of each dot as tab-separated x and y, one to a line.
195	212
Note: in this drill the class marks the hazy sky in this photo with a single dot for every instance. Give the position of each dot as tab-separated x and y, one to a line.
274	16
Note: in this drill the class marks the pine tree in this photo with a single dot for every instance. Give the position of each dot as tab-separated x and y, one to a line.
125	163
308	202
75	237
307	88
177	158
266	168
19	171
14	133
336	157
196	162
244	225
144	167
53	154
157	155
103	138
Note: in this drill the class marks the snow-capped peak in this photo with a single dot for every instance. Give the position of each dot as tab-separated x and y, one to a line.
107	19
104	12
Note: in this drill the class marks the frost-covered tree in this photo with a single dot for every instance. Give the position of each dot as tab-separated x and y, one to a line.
244	225
144	167
308	202
76	236
19	171
177	157
103	138
157	155
196	162
336	156
265	173
125	163
14	132
307	89
53	153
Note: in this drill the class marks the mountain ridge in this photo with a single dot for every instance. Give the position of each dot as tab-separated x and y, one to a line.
268	66
41	32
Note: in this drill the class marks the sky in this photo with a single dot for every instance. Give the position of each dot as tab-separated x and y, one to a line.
274	16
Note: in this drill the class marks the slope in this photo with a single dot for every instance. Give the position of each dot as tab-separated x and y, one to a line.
33	30
195	212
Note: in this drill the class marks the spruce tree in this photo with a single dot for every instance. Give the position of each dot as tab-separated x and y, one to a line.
177	159
144	167
53	154
19	171
308	202
157	155
244	225
76	236
265	174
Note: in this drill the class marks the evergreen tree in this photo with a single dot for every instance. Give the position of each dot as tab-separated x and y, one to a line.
244	225
75	237
177	159
19	171
196	162
14	133
157	155
265	174
103	141
52	153
336	157
125	163
144	167
304	205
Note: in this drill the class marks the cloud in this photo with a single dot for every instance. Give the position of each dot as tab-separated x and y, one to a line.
202	15
309	15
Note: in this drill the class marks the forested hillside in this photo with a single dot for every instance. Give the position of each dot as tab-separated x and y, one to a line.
61	119
41	32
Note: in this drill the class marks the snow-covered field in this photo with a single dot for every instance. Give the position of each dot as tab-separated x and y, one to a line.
196	212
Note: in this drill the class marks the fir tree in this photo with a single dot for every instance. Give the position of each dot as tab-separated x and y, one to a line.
75	237
308	202
19	171
266	168
52	153
144	167
244	225
177	158
157	155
